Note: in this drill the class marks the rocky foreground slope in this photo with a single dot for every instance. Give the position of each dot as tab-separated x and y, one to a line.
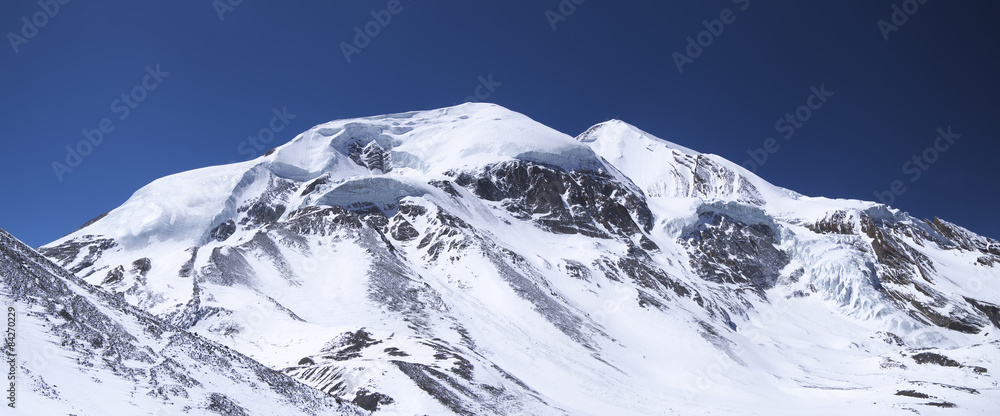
80	350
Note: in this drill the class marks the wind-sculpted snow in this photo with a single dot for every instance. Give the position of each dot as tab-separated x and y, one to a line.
471	261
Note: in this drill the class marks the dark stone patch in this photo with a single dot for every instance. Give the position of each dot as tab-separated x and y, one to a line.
395	352
444	186
946	405
223	231
349	345
314	184
370	400
223	405
371	156
990	310
188	266
262	213
412	210
229	268
427	379
402	230
935	358
645	300
913	393
142	266
114	276
69	251
578	270
799	294
890	338
726	250
647	244
835	223
577	202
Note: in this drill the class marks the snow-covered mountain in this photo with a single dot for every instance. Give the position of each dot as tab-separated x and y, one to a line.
472	261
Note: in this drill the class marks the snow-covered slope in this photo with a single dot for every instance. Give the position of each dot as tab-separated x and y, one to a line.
78	350
470	260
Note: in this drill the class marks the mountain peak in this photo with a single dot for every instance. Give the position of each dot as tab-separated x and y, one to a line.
617	132
469	260
432	142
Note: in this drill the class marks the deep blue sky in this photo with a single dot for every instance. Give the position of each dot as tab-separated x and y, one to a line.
608	59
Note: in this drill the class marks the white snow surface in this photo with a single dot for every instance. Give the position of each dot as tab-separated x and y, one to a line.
789	353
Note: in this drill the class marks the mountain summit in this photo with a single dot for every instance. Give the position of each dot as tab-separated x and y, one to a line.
471	261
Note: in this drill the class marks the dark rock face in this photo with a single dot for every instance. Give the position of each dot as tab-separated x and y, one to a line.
322	180
710	179
370	400
68	251
724	249
834	223
990	310
371	156
587	202
224	230
941	360
188	267
114	276
402	230
227	268
934	358
349	345
435	383
900	266
965	239
263	213
142	266
900	269
913	393
222	405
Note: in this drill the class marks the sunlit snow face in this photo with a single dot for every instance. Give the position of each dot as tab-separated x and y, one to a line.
151	217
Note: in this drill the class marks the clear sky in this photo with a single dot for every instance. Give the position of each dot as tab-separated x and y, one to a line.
200	77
